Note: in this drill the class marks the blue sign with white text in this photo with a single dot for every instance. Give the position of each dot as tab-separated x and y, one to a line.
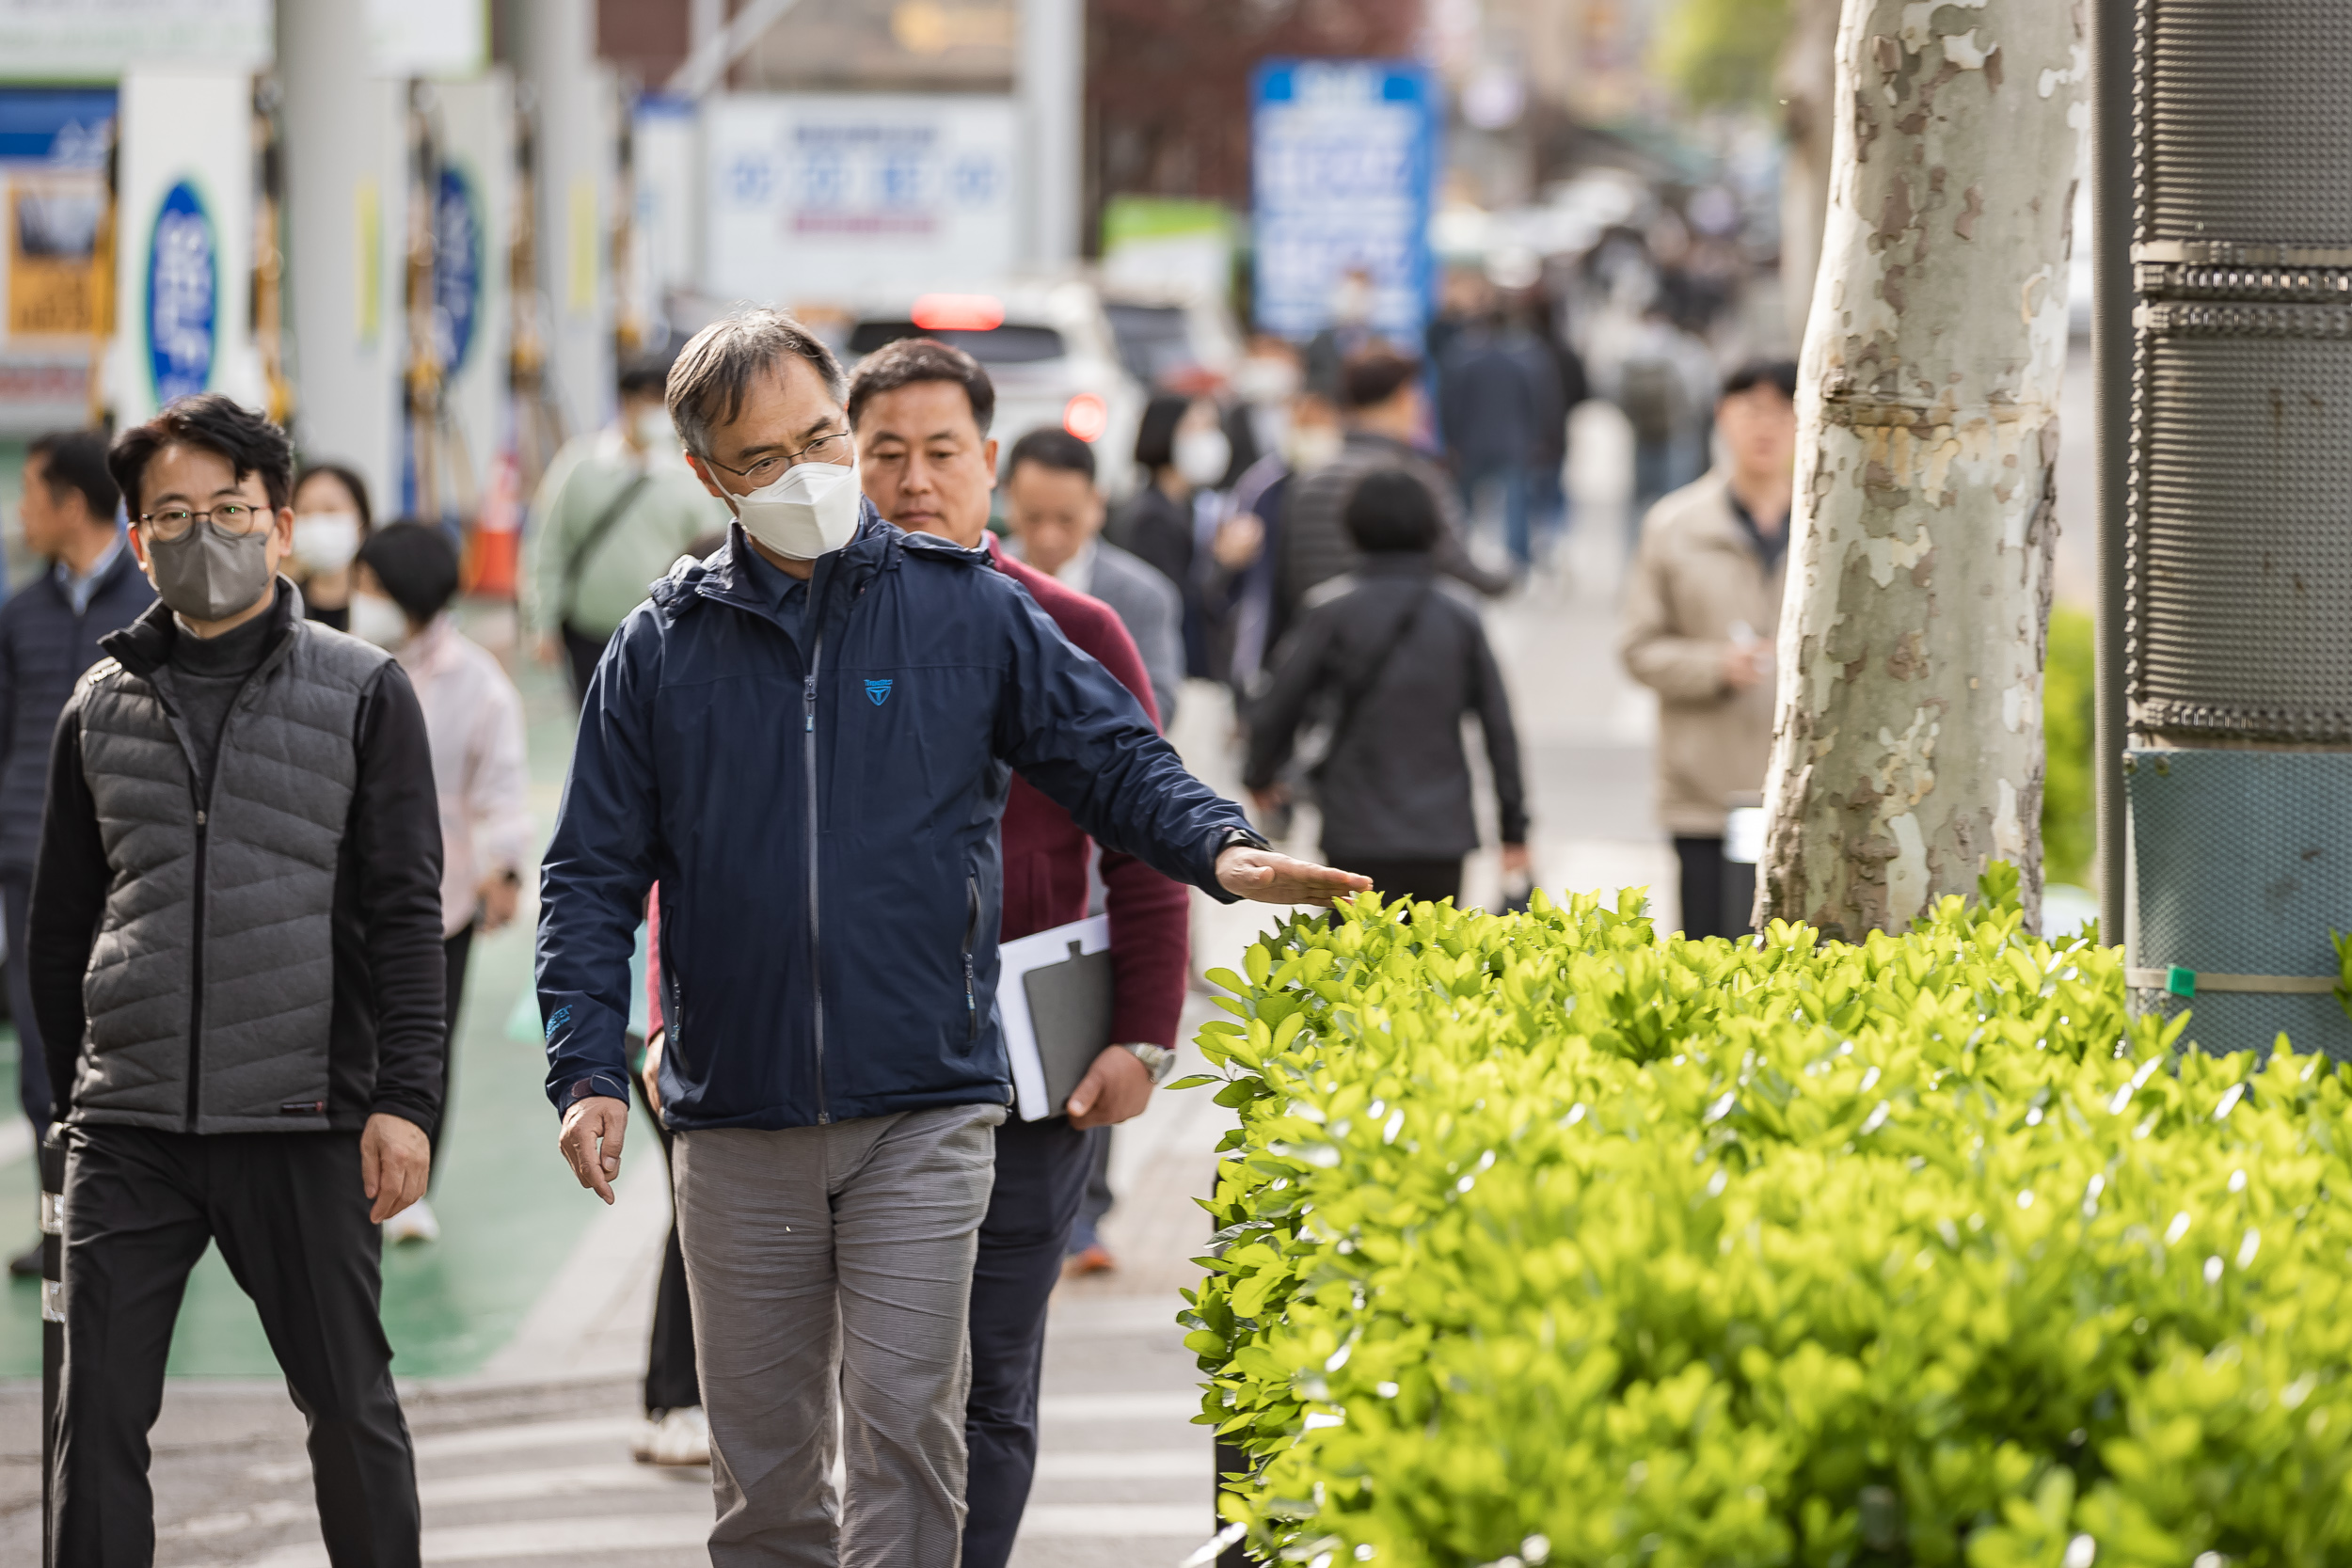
1344	170
183	295
456	268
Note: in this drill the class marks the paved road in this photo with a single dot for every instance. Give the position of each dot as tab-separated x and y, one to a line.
520	1335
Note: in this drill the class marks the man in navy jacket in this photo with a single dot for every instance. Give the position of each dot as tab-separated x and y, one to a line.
49	635
807	740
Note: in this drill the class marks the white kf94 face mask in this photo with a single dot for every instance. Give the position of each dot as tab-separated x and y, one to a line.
811	511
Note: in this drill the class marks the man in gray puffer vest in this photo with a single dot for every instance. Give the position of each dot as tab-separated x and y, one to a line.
235	954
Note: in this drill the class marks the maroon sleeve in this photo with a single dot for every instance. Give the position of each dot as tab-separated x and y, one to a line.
1151	916
653	960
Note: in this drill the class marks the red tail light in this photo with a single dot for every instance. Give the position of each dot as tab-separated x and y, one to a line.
958	313
1086	417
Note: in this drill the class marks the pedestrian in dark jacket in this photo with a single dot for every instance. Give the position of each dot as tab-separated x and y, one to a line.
49	635
1393	658
807	739
1385	416
235	943
1182	449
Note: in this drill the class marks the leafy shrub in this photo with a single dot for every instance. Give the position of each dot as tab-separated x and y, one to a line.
1544	1240
2069	824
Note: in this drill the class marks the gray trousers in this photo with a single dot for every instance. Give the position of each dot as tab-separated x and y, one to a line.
831	1267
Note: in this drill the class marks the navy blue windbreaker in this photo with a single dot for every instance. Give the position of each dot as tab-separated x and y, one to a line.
823	823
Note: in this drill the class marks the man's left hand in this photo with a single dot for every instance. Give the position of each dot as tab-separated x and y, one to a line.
1115	1089
498	895
395	1160
1276	879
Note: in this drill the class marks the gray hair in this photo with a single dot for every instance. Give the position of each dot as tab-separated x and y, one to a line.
715	370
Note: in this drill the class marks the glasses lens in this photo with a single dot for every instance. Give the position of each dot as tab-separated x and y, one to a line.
169	525
233	519
830	449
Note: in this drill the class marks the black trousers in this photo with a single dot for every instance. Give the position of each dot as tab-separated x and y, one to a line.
454	952
671	1382
1702	862
580	652
1042	1172
32	1067
292	1223
1394	878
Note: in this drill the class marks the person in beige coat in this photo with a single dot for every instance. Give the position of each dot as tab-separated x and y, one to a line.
1701	609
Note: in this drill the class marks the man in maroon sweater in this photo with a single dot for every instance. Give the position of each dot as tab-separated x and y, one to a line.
921	412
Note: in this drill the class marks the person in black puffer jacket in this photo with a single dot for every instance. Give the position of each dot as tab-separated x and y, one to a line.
1393	658
49	634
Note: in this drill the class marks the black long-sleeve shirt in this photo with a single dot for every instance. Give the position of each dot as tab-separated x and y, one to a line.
386	1027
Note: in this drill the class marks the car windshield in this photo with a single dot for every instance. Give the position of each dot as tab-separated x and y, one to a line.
1153	339
1013	343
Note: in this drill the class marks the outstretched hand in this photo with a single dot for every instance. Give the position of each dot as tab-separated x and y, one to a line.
1276	878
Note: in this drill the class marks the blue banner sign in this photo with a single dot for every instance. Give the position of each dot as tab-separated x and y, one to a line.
183	295
456	268
1343	167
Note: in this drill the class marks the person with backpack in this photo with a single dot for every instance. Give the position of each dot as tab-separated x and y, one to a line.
614	511
1394	656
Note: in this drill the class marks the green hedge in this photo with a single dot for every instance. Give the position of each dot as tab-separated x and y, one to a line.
1545	1241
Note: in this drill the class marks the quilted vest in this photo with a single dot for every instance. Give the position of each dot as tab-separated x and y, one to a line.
211	985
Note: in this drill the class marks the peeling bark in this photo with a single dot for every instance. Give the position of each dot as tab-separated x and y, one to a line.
1908	749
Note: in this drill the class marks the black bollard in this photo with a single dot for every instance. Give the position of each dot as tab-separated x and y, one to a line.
52	1321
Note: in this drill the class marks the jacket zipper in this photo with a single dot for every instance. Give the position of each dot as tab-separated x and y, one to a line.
971	931
196	956
815	950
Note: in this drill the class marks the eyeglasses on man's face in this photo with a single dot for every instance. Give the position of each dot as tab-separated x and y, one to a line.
833	449
232	519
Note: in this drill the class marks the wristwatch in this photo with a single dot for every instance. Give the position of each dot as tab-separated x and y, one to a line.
1238	837
1157	1060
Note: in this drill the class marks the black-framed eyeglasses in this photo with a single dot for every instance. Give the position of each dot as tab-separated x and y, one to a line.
833	449
233	519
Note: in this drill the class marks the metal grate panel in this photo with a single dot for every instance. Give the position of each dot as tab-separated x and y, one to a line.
2256	873
2246	125
2241	592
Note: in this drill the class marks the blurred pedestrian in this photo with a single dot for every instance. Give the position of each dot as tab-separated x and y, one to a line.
1499	394
809	737
49	634
1702	608
404	581
920	411
1663	384
1385	416
331	517
1055	515
675	1430
1392	658
235	943
616	507
1355	300
1184	452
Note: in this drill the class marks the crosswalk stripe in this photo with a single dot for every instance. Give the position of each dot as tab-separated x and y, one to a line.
626	1532
1120	1521
530	1434
1126	1464
690	1485
1156	1406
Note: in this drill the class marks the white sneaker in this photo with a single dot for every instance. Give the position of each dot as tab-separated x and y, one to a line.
683	1437
640	1442
413	1224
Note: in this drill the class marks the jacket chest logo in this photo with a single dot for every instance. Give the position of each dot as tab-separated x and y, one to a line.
878	692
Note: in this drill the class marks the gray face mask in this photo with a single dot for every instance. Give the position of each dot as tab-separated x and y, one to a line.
209	575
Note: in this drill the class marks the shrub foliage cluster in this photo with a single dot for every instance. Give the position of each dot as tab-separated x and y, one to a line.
1542	1240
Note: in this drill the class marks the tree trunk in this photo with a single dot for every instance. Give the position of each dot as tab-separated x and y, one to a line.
1805	81
1908	752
